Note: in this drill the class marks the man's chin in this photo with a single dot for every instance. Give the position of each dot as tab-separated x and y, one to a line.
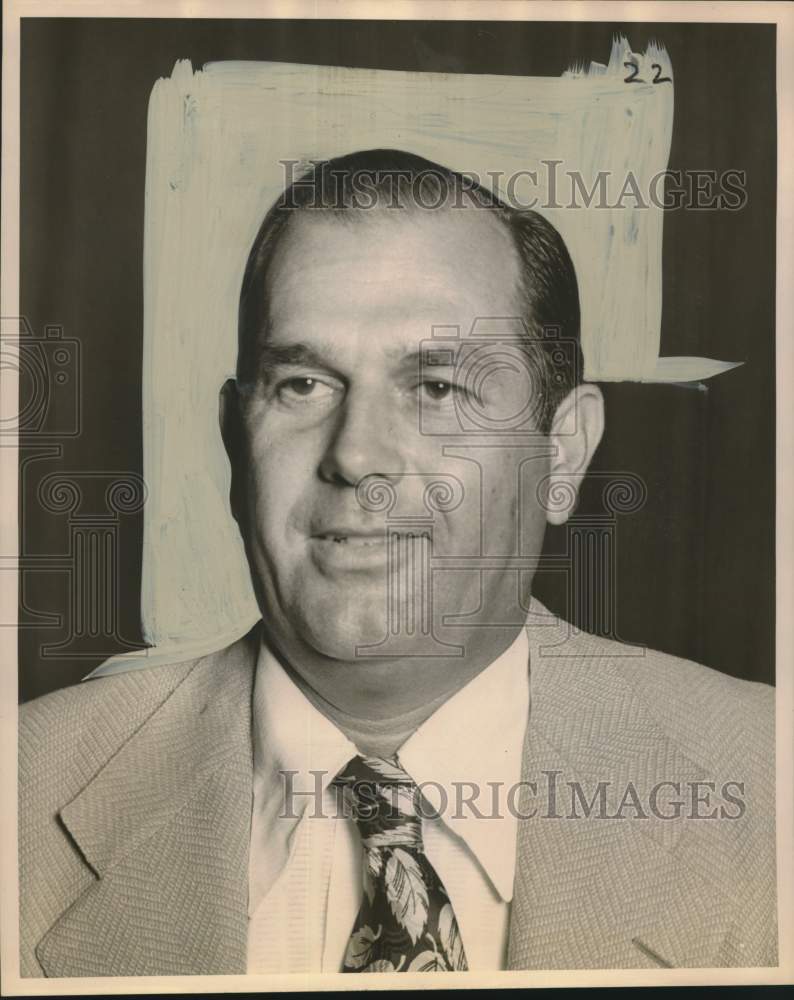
340	632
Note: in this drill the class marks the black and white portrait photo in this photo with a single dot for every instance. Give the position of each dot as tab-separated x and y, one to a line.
396	548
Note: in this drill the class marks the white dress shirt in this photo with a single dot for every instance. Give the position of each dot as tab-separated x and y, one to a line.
306	860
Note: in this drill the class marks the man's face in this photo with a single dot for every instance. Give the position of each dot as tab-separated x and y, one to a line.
343	404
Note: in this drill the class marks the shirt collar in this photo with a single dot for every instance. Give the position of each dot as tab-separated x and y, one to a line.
471	744
290	732
474	738
290	737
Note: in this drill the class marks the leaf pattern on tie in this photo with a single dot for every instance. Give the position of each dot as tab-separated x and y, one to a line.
400	797
359	947
402	833
374	862
428	961
450	938
386	769
406	892
382	965
369	887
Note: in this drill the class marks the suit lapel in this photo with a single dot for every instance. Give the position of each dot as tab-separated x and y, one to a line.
165	828
599	892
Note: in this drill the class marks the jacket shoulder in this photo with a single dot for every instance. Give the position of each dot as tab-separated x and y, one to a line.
664	717
716	719
89	719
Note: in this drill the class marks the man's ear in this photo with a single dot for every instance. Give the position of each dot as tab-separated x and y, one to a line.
228	415
575	433
229	419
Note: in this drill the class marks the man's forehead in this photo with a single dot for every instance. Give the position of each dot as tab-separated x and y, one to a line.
466	250
384	285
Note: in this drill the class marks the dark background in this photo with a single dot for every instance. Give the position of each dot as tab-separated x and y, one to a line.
694	567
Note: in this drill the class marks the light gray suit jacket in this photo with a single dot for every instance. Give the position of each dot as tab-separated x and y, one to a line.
135	809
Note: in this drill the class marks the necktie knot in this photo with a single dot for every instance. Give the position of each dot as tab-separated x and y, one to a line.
382	798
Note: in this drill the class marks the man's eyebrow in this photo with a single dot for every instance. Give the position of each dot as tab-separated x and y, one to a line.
432	357
425	357
407	359
272	355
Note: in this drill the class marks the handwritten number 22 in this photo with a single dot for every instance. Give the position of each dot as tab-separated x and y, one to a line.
635	69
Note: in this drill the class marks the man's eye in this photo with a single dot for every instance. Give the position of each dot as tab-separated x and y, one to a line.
438	389
304	388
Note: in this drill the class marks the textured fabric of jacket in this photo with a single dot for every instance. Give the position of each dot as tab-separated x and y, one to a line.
135	811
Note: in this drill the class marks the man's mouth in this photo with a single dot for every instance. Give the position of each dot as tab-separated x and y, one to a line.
349	549
343	550
353	538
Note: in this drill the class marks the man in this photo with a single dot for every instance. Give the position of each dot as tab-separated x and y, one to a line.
409	765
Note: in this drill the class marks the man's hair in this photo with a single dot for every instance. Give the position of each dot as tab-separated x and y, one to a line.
391	182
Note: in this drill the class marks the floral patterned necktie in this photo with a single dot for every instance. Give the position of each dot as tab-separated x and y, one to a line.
405	923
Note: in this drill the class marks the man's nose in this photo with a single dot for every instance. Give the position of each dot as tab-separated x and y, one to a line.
364	441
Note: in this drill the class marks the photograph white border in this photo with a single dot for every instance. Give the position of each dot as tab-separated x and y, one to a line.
498	10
